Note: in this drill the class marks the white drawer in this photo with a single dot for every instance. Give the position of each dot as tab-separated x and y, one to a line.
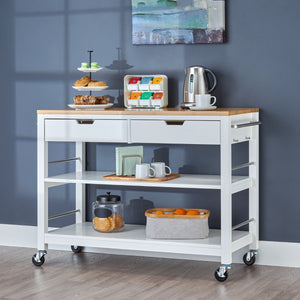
175	132
86	130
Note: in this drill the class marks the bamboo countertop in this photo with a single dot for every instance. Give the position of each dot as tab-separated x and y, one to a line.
165	111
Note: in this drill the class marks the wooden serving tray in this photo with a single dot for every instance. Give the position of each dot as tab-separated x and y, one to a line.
132	178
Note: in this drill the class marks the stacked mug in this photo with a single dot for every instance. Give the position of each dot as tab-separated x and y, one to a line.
155	169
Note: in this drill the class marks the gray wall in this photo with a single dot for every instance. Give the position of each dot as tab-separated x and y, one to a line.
42	43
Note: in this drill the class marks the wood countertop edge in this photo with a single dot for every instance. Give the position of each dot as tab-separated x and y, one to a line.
167	111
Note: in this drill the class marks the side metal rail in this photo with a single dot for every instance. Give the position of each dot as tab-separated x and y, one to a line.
245	124
63	160
243	166
64	214
242	224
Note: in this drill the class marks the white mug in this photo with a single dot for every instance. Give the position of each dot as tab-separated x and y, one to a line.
204	100
160	169
144	171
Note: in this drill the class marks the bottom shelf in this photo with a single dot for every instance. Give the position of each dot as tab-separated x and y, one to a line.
133	237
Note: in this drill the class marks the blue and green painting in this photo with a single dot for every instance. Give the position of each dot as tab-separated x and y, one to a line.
178	21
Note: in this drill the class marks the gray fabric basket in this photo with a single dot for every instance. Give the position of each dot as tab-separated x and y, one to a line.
177	228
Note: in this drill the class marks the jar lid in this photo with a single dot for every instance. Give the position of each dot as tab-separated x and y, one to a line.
108	198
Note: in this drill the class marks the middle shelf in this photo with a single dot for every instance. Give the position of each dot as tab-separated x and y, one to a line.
186	181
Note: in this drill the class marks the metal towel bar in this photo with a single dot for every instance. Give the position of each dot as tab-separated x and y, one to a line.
63	160
243	166
64	214
243	224
245	124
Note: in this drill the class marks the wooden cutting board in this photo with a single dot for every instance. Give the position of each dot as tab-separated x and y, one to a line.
132	178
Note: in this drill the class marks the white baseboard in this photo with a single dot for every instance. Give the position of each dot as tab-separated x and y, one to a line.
281	254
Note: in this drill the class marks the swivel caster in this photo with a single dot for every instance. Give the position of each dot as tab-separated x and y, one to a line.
221	273
38	259
250	257
76	249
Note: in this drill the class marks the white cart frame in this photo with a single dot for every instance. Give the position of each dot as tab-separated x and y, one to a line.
221	127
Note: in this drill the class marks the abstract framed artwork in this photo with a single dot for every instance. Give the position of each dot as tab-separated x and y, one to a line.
178	21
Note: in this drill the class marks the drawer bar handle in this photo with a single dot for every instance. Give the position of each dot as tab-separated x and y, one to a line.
174	122
242	224
64	214
63	160
243	166
82	122
245	125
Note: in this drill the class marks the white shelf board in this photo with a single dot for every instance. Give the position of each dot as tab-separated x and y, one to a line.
184	181
133	237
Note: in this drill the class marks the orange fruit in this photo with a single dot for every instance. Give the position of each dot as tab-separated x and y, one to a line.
159	212
171	213
192	212
180	211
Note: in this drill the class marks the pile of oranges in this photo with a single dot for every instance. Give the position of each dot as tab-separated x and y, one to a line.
179	211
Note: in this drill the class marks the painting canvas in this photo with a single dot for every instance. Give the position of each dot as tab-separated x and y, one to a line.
178	21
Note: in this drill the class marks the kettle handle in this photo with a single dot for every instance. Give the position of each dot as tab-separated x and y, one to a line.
215	80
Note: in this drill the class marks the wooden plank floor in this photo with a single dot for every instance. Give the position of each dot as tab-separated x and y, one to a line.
66	275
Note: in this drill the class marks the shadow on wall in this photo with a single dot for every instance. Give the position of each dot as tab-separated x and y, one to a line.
161	155
50	42
135	210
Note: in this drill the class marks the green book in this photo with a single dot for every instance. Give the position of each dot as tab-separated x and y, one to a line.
127	158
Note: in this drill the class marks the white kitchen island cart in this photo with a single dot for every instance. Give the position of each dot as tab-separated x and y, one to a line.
223	127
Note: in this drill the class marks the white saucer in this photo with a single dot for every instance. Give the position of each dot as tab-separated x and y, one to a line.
91	107
89	70
201	108
90	88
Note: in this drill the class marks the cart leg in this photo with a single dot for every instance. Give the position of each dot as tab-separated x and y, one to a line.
80	188
254	190
226	196
42	216
226	201
42	194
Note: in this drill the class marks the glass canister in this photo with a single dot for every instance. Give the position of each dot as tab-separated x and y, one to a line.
108	213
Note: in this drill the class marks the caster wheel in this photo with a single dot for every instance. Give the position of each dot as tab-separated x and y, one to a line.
219	277
38	263
76	249
249	262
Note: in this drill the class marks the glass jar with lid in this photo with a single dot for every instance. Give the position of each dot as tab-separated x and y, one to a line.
108	213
